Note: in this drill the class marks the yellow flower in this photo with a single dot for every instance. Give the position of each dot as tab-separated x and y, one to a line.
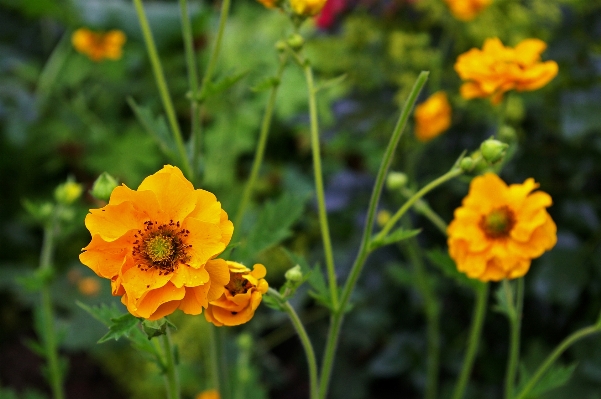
496	69
499	229
209	394
241	297
157	243
432	117
466	10
99	45
307	8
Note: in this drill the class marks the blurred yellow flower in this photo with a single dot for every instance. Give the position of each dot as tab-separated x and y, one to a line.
499	229
209	394
99	45
241	297
383	217
496	69
432	117
466	10
307	8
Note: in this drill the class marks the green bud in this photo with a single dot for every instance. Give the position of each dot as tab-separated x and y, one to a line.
245	341
467	164
68	192
280	45
507	134
493	150
294	274
396	180
296	41
104	186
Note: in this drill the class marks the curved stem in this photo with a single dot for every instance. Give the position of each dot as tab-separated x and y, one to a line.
321	202
338	315
515	316
474	340
159	76
305	341
260	151
562	347
171	380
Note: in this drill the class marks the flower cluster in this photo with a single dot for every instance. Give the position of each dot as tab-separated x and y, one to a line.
466	10
432	117
496	69
99	45
241	297
499	229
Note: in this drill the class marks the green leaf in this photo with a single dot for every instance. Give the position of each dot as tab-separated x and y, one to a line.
446	265
272	302
265	84
501	305
272	226
36	280
156	127
557	376
398	235
119	327
156	328
331	83
102	313
215	88
320	291
35	347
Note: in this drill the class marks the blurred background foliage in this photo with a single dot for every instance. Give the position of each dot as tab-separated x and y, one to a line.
63	115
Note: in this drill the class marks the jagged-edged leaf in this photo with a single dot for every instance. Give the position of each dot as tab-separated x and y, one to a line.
265	84
398	235
557	376
446	265
225	83
320	291
272	302
156	328
120	326
272	226
156	127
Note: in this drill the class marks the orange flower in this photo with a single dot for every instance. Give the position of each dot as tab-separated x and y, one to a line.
209	394
307	8
496	69
499	229
241	297
157	243
268	3
432	117
99	45
89	286
466	10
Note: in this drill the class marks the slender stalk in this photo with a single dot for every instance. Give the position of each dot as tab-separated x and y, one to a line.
338	314
562	347
52	69
515	316
225	9
321	202
171	380
305	341
159	76
260	151
214	358
49	332
424	209
473	342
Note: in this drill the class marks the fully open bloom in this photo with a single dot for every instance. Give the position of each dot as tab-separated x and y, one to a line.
157	243
466	10
499	229
496	69
432	117
241	297
99	45
307	8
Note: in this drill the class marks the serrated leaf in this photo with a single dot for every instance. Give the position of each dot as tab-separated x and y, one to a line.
119	327
102	313
272	226
446	265
557	376
265	84
156	328
272	302
156	127
222	85
398	235
320	291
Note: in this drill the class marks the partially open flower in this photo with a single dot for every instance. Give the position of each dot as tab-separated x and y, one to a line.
157	243
99	45
241	297
499	229
432	117
496	69
466	10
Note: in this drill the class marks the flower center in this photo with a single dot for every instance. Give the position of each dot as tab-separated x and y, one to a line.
498	223
161	247
238	284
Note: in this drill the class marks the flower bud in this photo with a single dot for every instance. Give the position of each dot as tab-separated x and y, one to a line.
507	134
104	186
280	45
294	274
396	180
467	164
68	192
296	42
383	217
493	150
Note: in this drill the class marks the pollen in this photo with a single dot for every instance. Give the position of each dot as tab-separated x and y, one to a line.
238	284
498	223
160	246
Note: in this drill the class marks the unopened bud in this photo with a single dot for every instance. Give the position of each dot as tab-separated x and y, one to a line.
280	45
104	186
296	41
493	150
396	180
294	274
467	164
68	192
507	134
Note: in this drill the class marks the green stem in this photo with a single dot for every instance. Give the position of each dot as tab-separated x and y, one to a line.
159	76
260	151
562	347
52	69
424	209
474	340
338	314
451	174
214	358
321	202
515	316
305	341
225	9
171	380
